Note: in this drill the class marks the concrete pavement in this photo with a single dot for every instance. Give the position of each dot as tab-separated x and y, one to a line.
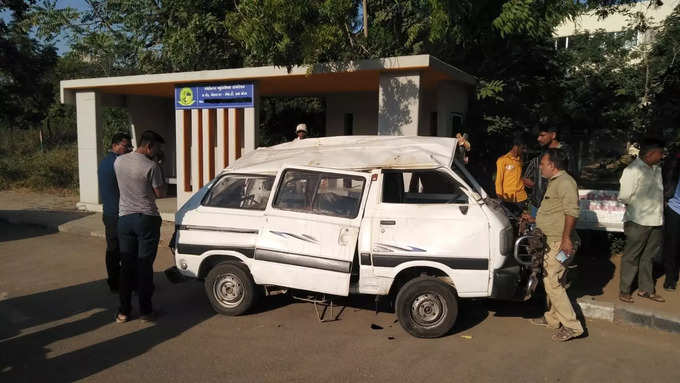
56	324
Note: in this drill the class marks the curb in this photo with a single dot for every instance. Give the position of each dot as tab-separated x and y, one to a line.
615	312
70	229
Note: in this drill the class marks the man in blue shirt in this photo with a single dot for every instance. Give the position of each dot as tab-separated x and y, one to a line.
108	190
672	221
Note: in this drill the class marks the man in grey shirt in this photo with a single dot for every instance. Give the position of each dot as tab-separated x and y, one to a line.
140	181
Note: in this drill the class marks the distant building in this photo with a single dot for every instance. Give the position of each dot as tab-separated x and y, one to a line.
616	23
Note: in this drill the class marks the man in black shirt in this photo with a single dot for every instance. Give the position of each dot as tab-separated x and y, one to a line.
547	139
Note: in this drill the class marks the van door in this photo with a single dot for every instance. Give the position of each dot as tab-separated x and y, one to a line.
427	216
311	229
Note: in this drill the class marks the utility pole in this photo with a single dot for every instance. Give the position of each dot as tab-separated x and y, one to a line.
365	11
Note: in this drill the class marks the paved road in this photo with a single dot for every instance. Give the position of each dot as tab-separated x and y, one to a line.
56	324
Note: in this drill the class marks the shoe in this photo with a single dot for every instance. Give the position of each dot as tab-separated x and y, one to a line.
122	318
669	287
151	317
651	296
539	322
623	297
564	334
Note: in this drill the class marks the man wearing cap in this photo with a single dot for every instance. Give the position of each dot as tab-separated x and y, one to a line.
301	131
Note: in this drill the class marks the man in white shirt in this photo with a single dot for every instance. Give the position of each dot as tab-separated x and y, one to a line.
642	192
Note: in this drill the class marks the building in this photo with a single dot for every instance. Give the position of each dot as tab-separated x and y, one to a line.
209	118
617	22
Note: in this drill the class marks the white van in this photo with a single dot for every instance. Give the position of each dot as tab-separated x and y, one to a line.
377	215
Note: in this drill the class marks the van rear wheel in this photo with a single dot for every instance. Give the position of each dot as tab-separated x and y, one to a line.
427	307
230	289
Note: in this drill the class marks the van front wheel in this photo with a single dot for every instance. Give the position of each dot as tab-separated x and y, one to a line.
427	307
230	289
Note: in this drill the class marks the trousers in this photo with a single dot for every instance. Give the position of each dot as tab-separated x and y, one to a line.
112	250
139	235
643	244
560	310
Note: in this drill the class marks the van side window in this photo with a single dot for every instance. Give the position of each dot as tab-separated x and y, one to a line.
240	192
421	187
331	194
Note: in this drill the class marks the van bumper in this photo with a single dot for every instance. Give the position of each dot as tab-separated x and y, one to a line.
513	283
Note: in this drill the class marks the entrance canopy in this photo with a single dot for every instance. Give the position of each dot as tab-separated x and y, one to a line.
312	80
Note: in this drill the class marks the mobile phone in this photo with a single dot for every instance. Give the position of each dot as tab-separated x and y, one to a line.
562	256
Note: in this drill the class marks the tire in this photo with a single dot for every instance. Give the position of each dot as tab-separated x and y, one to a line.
427	307
230	289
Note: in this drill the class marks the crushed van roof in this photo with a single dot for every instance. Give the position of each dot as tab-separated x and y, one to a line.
351	153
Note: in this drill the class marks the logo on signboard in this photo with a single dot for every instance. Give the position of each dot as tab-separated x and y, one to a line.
186	97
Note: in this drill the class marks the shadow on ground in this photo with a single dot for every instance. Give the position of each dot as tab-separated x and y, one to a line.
41	219
55	315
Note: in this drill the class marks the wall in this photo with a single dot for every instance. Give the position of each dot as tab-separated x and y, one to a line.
616	22
157	114
363	105
451	98
399	103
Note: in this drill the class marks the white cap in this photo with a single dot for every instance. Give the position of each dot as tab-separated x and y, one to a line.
301	128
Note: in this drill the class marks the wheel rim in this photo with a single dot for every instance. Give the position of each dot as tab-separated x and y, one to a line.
228	290
429	310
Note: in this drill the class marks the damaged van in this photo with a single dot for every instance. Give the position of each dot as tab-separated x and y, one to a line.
378	215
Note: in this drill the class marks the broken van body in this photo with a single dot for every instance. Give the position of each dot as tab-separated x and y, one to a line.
378	215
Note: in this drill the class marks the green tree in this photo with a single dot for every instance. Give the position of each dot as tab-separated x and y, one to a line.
25	70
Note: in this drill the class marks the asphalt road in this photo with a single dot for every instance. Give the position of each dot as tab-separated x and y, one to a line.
57	325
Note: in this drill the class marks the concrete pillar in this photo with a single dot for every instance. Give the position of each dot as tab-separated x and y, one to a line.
206	145
182	196
90	148
399	103
195	158
231	150
221	155
251	124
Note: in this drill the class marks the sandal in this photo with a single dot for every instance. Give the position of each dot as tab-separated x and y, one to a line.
652	296
625	298
122	318
564	334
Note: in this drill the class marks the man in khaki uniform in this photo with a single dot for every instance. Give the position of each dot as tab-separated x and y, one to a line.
556	218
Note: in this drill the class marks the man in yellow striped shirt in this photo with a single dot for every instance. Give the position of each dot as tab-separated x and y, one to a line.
509	185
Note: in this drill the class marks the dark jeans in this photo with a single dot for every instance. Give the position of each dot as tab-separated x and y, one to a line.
112	250
671	246
139	235
643	244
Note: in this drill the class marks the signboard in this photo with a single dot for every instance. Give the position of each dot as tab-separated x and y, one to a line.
214	96
600	210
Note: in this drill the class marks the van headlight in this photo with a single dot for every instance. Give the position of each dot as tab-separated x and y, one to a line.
506	241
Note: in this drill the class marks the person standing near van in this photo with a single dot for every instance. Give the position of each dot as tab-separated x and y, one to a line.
509	186
642	192
547	139
462	153
301	131
671	180
140	180
556	218
108	191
